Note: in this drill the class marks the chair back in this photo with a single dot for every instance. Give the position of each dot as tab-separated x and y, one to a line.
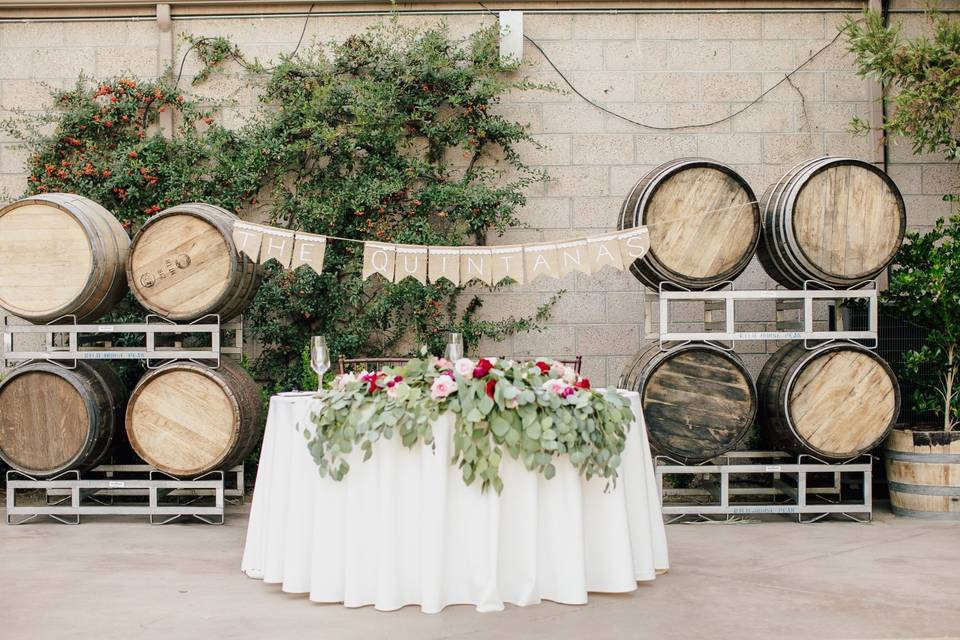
368	364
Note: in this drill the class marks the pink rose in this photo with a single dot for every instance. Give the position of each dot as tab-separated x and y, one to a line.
342	381
557	370
443	364
555	385
464	367
442	387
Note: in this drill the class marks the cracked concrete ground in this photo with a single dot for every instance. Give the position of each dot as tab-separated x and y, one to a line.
122	578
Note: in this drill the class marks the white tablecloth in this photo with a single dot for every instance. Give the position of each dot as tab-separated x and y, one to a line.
403	528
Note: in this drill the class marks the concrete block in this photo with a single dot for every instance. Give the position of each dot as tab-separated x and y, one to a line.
76	34
730	26
763	55
765	117
546	213
623	179
635	55
939	179
595	213
117	60
605	86
503	305
32	34
669	26
668	87
16	64
807	84
793	26
709	117
615	368
12	186
657	148
575	117
529	115
594	369
731	148
644	113
580	307
573	55
834	58
608	279
698	56
578	181
924	211
62	63
845	86
908	178
553	341
603	27
514	236
28	94
731	87
626	307
553	149
142	32
791	147
601	149
901	152
855	146
608	339
541	26
13	159
829	116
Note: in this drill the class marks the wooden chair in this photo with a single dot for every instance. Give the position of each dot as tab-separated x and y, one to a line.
368	364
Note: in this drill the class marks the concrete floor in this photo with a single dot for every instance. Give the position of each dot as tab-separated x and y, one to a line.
122	578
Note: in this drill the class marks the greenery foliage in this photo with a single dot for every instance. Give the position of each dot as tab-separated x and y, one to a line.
389	136
925	284
925	281
533	412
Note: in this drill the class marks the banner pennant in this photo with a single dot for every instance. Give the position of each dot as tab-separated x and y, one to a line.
379	258
310	250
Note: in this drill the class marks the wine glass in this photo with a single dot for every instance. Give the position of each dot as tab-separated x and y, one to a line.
319	358
454	350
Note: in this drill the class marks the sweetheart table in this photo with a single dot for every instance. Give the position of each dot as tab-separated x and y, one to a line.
402	528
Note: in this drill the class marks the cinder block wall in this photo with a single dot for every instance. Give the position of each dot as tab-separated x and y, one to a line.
659	68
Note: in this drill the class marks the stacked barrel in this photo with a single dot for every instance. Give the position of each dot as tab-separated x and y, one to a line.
64	255
827	223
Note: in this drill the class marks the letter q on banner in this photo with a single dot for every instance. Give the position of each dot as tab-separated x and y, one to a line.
379	258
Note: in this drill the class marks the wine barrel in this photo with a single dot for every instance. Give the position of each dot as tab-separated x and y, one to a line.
187	419
54	419
837	221
60	254
698	401
835	401
703	219
923	473
184	265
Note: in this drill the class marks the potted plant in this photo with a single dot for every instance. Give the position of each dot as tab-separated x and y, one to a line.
923	461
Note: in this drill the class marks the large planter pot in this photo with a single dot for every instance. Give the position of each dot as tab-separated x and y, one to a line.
923	473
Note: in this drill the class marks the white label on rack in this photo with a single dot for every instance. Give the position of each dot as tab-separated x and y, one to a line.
768	294
105	328
115	484
772	467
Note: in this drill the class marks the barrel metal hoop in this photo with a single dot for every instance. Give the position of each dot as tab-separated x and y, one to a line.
930	515
932	458
923	489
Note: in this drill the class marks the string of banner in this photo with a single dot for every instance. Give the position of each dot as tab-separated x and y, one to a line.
459	264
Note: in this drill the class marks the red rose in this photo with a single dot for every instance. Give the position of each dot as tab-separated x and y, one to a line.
491	385
582	383
483	368
544	367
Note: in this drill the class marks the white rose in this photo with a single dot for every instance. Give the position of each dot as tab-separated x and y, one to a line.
569	375
464	367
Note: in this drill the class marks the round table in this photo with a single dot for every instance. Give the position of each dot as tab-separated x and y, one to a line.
403	529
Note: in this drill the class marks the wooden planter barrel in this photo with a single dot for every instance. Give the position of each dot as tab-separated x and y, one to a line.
184	265
923	473
187	419
60	254
54	419
704	223
836	401
698	401
837	221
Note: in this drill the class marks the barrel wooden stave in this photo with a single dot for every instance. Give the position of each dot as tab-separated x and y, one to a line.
187	419
60	254
695	252
698	401
184	265
54	419
836	401
837	221
923	473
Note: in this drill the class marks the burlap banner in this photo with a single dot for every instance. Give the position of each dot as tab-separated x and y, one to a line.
459	265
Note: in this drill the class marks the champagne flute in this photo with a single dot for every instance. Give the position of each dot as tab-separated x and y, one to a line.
319	358
454	350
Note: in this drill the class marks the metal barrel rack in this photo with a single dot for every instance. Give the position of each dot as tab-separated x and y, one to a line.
778	484
131	489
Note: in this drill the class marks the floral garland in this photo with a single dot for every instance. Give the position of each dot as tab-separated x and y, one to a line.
533	411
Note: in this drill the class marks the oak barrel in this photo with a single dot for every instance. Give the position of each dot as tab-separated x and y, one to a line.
704	223
54	419
184	265
835	401
187	419
923	473
837	221
698	401
60	254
